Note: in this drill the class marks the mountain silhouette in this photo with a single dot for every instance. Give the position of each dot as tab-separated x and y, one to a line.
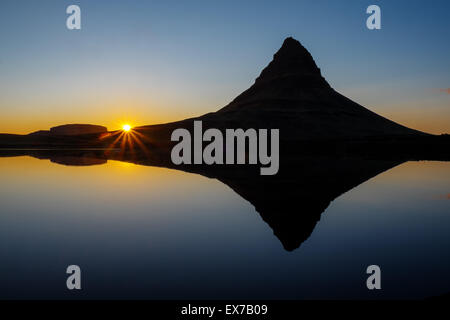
290	94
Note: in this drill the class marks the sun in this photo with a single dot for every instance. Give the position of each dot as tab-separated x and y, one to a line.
126	127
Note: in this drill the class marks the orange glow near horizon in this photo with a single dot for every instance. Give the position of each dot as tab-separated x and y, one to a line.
432	119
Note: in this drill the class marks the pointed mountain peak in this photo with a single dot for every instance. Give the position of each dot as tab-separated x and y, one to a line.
291	60
291	47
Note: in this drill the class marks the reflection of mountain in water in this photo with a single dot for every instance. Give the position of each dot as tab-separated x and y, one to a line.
328	144
75	161
64	157
291	202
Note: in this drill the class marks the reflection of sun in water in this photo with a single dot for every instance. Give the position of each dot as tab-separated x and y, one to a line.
126	127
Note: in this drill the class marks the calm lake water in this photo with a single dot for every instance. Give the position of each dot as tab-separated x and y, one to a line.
155	233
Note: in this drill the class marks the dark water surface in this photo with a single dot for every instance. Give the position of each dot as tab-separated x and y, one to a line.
148	232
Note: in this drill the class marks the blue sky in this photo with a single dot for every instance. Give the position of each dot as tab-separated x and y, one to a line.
155	61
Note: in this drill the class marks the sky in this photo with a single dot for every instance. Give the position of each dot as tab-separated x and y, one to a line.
146	62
